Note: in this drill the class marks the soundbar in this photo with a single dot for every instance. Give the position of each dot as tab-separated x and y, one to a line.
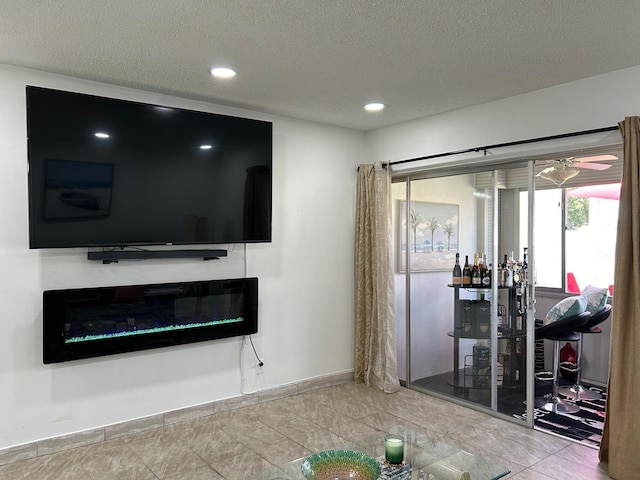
113	256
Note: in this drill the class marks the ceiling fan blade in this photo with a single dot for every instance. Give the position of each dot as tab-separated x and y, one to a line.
592	166
594	158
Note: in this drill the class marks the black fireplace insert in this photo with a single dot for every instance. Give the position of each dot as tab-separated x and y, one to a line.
92	322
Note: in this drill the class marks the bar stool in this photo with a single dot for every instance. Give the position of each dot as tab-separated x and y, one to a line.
562	330
577	391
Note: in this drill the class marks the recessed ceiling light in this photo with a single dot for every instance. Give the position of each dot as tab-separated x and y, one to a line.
374	107
223	72
101	135
206	147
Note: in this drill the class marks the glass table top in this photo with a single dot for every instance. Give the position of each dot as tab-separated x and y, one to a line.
425	458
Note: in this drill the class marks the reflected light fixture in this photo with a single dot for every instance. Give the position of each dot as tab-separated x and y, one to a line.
223	72
374	107
558	175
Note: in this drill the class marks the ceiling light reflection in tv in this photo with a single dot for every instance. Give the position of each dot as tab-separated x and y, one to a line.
108	172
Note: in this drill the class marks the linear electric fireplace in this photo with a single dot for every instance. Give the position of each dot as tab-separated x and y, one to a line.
92	322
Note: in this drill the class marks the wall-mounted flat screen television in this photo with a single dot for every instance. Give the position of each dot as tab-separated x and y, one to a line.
106	172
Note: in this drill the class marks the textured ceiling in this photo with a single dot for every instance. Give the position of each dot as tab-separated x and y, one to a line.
322	60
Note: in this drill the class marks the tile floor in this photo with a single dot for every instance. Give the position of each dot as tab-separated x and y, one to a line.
235	444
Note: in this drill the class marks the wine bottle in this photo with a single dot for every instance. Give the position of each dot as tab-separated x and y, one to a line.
466	273
476	278
486	275
525	263
457	271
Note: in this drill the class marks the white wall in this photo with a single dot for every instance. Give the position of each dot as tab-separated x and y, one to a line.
591	103
305	274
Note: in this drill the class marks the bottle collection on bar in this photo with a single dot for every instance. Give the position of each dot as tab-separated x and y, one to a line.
510	273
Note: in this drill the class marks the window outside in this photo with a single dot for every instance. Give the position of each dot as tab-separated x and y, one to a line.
589	236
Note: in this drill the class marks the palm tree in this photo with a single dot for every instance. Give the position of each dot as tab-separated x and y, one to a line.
415	220
448	229
433	225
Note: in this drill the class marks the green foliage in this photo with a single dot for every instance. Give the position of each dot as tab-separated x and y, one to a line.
577	212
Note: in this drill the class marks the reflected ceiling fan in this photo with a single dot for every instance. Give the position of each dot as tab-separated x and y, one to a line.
563	169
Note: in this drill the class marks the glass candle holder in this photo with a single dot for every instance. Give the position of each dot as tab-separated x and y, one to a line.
393	449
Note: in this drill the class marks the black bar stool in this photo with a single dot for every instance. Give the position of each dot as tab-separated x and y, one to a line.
562	330
577	391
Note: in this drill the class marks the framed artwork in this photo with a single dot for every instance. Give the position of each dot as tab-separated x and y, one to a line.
433	236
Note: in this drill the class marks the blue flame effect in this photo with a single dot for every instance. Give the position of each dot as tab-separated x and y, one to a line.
168	328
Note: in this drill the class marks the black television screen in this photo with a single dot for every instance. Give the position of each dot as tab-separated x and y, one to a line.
107	172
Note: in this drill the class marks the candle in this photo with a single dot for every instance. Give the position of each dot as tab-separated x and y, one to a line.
393	449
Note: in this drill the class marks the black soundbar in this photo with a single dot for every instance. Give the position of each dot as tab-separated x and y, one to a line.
114	256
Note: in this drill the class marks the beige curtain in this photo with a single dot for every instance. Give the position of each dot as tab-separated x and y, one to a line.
621	436
375	349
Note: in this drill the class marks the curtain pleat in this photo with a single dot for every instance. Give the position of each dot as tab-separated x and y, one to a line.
621	436
375	339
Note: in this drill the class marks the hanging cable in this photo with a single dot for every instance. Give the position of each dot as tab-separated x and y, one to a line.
260	362
242	378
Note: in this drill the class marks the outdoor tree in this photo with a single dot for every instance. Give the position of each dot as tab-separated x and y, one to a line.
433	225
577	212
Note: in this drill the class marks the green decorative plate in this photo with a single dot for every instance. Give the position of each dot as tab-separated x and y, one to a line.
339	465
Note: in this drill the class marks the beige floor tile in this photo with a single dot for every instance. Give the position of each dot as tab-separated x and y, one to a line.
318	440
205	473
527	436
113	460
241	466
213	444
498	446
527	474
164	453
280	451
245	437
57	466
559	468
293	426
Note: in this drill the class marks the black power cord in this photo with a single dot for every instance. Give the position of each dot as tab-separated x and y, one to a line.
260	362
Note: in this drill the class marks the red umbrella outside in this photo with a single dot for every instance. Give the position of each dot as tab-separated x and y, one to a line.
610	191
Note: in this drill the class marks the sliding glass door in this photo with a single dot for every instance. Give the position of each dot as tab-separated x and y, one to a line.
468	339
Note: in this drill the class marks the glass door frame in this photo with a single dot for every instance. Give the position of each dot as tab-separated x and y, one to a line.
530	330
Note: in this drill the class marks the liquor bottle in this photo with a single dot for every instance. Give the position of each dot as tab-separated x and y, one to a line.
476	277
457	271
509	275
525	263
502	273
466	273
516	268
